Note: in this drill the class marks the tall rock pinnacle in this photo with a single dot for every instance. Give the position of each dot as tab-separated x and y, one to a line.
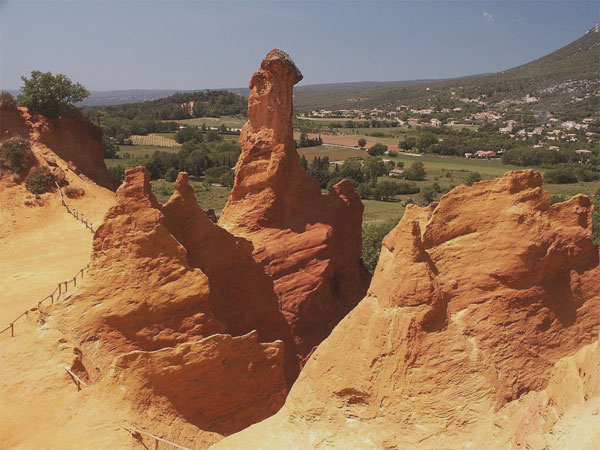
308	242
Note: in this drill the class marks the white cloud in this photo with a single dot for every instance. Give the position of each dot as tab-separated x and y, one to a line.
488	17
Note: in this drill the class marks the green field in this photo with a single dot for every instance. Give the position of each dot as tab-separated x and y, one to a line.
381	211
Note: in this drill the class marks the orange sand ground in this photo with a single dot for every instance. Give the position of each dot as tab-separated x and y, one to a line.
42	246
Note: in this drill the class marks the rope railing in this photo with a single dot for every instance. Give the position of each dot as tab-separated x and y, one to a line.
78	381
137	432
78	215
61	288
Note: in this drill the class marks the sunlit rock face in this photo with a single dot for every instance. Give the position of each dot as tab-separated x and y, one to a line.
465	338
309	243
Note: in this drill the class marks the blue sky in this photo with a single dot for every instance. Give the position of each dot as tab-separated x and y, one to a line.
202	44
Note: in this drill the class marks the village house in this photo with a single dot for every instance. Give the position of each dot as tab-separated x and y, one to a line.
396	173
485	154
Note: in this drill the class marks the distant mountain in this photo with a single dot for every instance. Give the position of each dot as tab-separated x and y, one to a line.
565	78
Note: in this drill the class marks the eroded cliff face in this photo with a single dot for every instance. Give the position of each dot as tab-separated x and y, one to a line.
75	141
308	243
163	303
475	303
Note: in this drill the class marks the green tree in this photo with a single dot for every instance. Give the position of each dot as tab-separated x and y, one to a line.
49	94
375	168
425	141
377	150
428	194
110	148
415	172
385	191
408	144
171	174
372	236
362	142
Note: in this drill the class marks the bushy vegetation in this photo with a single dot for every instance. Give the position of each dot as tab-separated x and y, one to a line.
15	153
305	141
372	236
39	180
473	177
562	175
73	192
221	174
7	99
528	157
195	158
196	134
121	128
377	150
110	148
415	172
51	95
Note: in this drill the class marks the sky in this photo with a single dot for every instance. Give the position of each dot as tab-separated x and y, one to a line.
160	44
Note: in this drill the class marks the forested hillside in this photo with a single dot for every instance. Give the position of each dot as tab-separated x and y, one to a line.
180	106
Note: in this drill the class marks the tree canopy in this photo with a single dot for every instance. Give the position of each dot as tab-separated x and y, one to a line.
49	94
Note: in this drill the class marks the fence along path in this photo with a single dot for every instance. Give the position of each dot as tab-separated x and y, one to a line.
55	296
79	216
63	286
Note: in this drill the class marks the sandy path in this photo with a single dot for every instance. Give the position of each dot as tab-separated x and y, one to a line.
41	246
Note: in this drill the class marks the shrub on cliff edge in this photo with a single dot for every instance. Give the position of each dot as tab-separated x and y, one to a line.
40	180
14	154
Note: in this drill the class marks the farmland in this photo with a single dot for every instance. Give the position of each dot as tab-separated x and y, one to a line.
228	121
158	140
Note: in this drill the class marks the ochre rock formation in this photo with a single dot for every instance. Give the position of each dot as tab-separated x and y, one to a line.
73	139
220	383
308	243
242	294
169	308
473	306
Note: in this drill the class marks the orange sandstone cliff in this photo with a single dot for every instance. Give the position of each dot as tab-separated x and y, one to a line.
309	243
479	330
70	143
156	307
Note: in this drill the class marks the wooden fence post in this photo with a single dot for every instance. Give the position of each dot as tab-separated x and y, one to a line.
59	289
12	329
